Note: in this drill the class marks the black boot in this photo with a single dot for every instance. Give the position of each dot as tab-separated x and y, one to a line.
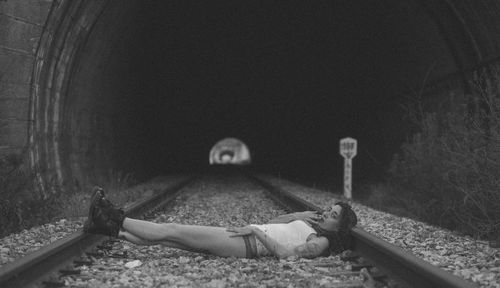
103	217
101	224
116	214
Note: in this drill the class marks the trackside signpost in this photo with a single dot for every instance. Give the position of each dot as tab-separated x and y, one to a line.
348	149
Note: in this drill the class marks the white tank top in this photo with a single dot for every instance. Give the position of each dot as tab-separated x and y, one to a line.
288	234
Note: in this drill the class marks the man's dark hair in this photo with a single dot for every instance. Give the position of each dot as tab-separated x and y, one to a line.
340	240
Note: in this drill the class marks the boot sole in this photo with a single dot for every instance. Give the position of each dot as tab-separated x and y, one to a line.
97	195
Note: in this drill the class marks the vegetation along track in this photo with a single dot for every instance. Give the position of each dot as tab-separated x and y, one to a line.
386	257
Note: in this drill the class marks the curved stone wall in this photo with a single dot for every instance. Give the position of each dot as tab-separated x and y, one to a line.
71	73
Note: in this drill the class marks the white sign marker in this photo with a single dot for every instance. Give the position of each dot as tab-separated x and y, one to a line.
348	149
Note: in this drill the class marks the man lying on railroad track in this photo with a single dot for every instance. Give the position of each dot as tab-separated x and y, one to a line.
306	234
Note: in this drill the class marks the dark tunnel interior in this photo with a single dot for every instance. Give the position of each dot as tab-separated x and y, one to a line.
288	78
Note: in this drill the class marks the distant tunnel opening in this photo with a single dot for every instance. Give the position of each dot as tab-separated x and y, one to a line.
149	86
230	151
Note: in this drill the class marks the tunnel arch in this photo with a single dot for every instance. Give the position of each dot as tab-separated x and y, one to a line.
58	45
60	50
88	110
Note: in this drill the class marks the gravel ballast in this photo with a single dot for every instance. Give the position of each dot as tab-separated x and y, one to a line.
214	204
461	255
157	266
17	245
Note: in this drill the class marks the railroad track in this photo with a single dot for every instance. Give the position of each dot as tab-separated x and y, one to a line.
34	268
388	258
370	251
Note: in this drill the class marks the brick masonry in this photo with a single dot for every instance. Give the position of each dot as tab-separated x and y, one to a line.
21	24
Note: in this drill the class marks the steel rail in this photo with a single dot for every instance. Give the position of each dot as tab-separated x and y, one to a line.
390	259
31	269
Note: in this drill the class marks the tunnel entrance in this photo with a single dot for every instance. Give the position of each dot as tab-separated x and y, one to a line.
146	86
230	151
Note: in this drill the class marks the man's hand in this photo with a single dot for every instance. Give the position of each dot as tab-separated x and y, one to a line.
240	231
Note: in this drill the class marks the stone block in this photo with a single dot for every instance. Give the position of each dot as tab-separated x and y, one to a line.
14	109
14	91
15	69
19	35
9	150
34	11
13	134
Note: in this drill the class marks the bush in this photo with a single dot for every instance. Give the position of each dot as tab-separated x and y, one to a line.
19	207
22	208
449	172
